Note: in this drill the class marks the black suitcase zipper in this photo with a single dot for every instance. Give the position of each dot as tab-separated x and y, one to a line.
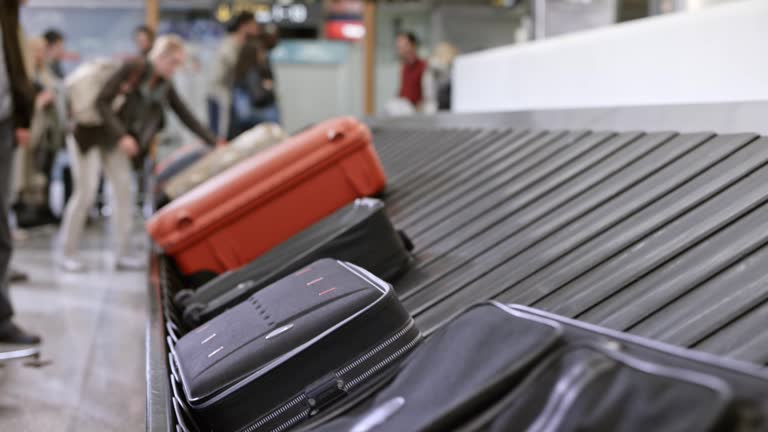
281	411
340	383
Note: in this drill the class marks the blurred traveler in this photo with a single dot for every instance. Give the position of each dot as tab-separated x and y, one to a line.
47	130
17	98
57	53
412	71
242	27
118	137
49	123
54	41
399	107
41	73
144	37
437	79
253	93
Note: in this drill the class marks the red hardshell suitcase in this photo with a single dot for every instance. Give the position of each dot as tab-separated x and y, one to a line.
238	215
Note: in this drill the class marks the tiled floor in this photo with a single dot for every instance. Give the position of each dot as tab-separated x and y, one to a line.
93	327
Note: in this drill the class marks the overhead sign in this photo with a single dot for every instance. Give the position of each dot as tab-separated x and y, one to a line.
344	30
284	13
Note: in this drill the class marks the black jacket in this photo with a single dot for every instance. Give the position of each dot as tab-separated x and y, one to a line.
22	90
142	115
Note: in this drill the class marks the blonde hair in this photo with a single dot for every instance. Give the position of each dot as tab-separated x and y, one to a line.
445	53
34	45
165	45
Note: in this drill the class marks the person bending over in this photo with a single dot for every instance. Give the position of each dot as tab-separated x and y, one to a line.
122	138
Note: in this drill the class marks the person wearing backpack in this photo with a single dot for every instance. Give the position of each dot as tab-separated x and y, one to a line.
113	128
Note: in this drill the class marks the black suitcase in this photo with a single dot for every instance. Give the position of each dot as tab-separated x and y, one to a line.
360	233
607	380
462	369
513	368
293	349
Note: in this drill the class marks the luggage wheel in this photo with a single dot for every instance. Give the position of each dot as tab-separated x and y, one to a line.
182	298
193	314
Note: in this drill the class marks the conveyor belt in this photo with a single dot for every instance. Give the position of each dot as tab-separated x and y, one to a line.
662	235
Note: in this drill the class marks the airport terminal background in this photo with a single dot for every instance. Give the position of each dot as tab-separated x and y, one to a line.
333	58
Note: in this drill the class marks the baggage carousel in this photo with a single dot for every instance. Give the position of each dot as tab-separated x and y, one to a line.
656	233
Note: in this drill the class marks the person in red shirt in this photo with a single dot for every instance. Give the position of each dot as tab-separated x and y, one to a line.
413	68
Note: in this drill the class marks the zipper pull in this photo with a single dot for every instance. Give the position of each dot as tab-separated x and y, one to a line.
324	392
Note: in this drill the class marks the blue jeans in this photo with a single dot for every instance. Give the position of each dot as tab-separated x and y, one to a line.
213	116
240	124
268	114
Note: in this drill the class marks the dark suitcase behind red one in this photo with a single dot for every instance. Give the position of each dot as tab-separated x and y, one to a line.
294	349
360	233
240	214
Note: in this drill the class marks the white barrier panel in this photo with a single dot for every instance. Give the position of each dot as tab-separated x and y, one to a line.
714	55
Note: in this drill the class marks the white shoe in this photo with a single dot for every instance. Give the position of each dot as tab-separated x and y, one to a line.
130	264
72	265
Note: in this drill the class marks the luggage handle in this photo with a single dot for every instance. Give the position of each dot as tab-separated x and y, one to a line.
183	220
334	135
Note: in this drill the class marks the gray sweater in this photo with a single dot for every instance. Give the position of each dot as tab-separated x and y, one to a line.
223	79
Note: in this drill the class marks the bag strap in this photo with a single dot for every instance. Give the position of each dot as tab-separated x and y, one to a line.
407	242
133	80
